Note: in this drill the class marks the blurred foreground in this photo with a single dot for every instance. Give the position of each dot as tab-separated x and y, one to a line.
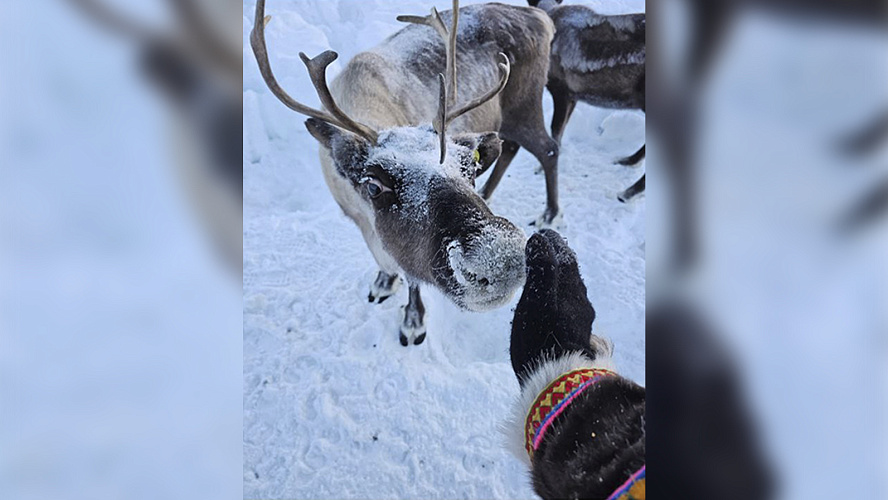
767	249
120	237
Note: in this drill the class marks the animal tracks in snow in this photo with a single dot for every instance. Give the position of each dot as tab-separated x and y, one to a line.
390	389
316	455
476	459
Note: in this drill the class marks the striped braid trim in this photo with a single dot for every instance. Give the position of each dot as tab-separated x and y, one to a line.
632	489
553	400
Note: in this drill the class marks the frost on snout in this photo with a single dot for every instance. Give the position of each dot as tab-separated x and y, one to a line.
438	229
489	266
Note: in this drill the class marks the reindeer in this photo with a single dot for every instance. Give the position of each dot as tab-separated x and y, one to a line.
200	74
409	186
599	60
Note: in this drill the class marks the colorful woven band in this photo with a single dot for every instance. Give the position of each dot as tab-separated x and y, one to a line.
632	489
554	399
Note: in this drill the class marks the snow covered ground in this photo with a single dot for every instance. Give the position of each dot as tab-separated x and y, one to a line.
334	406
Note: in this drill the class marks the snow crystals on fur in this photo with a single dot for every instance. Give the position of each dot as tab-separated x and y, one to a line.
570	46
412	153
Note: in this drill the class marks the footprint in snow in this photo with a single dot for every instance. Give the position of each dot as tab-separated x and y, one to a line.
476	459
315	457
334	435
304	367
390	389
310	406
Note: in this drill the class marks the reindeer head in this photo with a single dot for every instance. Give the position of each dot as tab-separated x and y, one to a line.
419	181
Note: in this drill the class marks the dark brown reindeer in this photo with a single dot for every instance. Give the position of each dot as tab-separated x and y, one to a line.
599	60
409	186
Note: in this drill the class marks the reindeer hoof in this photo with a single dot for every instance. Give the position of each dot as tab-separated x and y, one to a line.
629	161
632	191
634	160
549	221
627	196
383	287
377	299
412	334
413	330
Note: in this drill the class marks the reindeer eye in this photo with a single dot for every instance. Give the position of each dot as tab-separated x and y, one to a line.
374	187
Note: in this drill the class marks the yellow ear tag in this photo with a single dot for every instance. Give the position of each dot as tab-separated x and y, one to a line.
476	156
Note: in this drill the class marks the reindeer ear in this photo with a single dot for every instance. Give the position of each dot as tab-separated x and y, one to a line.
486	147
322	131
349	152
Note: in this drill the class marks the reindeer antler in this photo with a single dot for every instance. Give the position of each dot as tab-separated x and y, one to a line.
451	54
440	121
434	20
317	69
504	72
448	90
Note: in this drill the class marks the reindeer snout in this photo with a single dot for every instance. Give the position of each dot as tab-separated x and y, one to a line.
489	265
469	271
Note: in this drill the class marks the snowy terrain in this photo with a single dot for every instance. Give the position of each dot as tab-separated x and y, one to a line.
334	406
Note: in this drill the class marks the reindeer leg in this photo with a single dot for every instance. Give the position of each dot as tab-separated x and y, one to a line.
413	327
633	160
565	103
510	149
632	191
545	149
383	287
524	123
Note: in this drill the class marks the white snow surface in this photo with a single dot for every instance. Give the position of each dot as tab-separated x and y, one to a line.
334	406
